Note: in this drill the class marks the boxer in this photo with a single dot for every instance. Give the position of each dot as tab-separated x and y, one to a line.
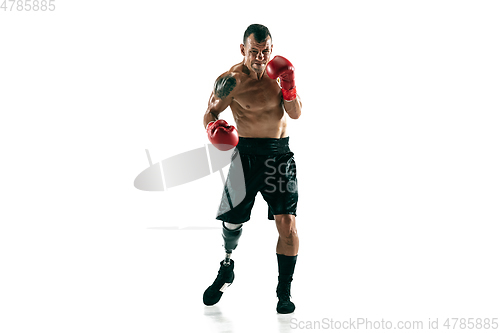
261	94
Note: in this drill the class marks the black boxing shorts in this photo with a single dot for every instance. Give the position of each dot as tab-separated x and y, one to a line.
264	165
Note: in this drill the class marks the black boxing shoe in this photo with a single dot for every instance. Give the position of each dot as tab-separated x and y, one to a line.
224	279
283	292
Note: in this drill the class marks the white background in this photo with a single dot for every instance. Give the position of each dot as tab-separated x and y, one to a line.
397	152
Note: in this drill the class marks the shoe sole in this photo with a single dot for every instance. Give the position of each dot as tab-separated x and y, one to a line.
285	311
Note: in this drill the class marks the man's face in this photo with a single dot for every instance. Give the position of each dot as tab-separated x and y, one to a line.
257	55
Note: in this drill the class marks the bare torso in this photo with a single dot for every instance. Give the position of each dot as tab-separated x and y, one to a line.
256	104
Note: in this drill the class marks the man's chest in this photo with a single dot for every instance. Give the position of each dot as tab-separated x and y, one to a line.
257	96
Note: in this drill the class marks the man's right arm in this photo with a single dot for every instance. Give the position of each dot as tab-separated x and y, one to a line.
221	97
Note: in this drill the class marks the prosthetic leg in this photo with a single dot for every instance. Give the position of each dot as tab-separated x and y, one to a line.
231	234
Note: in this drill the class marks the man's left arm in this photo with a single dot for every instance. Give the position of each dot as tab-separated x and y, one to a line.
283	69
293	108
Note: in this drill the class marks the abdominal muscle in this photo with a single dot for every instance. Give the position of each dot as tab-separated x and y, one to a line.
260	124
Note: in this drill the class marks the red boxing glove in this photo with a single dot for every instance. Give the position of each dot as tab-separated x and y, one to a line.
221	135
282	68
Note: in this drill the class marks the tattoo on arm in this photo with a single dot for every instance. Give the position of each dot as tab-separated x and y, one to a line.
224	86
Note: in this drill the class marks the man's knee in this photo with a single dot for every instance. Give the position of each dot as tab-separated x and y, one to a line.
286	225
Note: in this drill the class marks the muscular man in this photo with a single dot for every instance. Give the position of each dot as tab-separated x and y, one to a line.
260	92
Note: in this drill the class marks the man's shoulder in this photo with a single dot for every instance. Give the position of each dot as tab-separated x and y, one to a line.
228	81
